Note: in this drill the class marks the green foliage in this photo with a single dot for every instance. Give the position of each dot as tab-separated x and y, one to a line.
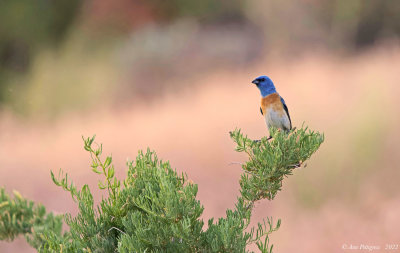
163	210
271	161
155	209
20	216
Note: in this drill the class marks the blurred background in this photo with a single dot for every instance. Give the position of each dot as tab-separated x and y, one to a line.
176	75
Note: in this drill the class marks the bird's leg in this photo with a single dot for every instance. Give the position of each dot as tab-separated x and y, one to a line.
269	138
298	165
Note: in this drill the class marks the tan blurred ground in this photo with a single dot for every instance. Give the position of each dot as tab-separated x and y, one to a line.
348	194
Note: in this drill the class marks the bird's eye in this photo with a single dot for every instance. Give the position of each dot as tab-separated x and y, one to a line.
262	79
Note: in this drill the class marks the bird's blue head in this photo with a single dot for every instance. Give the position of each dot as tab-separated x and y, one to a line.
265	85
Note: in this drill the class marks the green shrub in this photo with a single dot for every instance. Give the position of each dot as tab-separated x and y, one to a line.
155	209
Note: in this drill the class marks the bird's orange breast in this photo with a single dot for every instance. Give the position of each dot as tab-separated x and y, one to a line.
273	102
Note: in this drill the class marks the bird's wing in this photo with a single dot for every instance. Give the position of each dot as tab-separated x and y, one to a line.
261	111
287	111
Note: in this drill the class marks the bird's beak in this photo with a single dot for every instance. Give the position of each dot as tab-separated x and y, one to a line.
255	81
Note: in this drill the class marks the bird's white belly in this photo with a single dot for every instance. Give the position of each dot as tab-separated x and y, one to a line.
277	120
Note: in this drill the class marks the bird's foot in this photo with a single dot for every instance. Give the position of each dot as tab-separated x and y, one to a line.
257	141
298	165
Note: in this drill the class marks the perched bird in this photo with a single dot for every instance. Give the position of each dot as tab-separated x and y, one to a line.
273	107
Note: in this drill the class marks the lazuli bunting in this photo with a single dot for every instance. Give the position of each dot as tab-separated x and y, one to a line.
273	107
